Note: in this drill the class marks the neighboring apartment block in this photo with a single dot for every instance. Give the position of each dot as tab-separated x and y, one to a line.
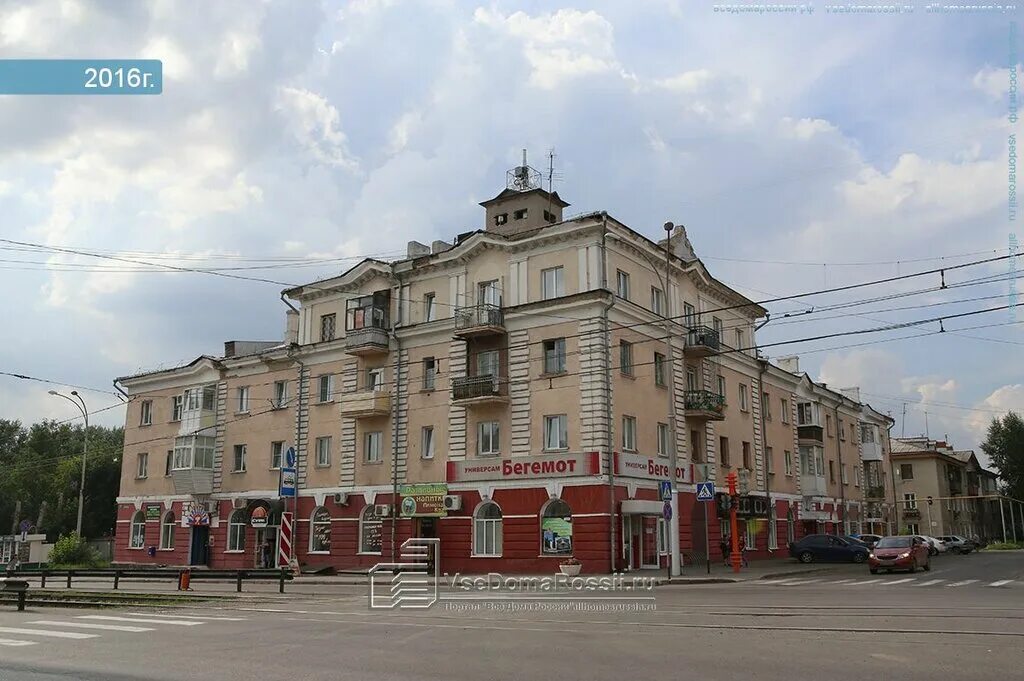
507	393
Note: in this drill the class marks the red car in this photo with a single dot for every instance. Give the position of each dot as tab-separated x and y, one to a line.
899	553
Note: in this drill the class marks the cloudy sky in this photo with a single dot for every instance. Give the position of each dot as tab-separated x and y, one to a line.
801	151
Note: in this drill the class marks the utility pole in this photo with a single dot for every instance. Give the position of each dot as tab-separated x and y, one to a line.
734	554
80	403
673	449
1002	518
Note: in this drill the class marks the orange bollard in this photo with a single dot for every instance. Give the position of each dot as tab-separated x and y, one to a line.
184	579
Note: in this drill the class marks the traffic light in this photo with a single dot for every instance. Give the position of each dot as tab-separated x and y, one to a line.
930	501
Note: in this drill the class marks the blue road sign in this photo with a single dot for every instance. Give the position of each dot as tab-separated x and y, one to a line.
289	457
667	510
705	491
287	487
665	488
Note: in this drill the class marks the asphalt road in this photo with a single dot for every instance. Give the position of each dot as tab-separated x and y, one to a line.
825	625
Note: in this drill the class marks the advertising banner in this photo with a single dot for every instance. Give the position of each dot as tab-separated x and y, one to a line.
423	501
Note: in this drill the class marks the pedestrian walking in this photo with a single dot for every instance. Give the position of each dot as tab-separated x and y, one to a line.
726	550
743	552
266	554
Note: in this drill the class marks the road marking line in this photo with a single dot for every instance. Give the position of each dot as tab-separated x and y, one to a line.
189	617
866	581
963	583
45	632
87	625
801	582
138	620
843	581
774	582
1001	582
14	642
899	581
930	582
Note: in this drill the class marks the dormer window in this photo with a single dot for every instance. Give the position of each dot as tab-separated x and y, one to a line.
549	216
520	214
501	218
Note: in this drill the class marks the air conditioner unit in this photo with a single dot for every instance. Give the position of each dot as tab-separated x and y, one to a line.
239	504
452	502
381	510
341	498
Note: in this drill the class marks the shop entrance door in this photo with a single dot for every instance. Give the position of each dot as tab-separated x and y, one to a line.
200	545
270	534
426	528
649	551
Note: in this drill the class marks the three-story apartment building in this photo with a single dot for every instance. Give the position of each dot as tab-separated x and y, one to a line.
508	393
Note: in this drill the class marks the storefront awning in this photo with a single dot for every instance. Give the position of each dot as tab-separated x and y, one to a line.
639	507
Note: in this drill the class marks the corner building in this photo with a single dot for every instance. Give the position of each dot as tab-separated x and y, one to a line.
507	393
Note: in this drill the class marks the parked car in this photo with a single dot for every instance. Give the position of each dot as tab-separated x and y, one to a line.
828	548
900	553
935	545
869	539
958	544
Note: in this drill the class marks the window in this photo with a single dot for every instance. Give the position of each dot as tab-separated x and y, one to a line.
549	217
429	307
169	463
743	398
554	356
842	475
691	378
807	414
320	531
328	322
239	459
748	459
913	528
622	284
372	447
910	500
556	528
167	531
769	462
487	530
556	432
276	451
177	406
147	413
723	451
739	339
324	388
787	461
696	451
857	475
907	471
721	386
828	425
192	399
785	410
831	471
204	447
142	468
626	358
487	363
280	394
552	283
867	433
208	398
853	433
819	461
842	431
766	406
501	218
369	311
773	528
657	301
488	442
629	433
716	324
369	531
137	537
663	439
488	293
242	395
375	379
193	452
429	373
690	316
427	442
520	214
659	369
323	451
790	527
236	531
751	531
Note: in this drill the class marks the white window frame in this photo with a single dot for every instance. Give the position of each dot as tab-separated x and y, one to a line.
239	449
622	284
909	500
325	388
242	400
276	455
750	534
657	301
236	532
722	385
314	523
766	405
744	397
177	407
788	461
137	534
663	439
429	373
375	379
371	453
769	460
328	327
280	394
785	410
626	365
659	370
146	415
773	528
427	442
142	466
561	422
323	451
429	306
487	532
367	517
167	531
493	429
552	282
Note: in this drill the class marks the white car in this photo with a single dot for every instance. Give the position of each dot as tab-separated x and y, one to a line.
937	545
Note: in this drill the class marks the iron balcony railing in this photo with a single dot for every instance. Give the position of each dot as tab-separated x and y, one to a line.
703	336
874	492
703	400
485	314
470	387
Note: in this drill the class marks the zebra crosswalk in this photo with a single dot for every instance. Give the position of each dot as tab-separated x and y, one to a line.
84	627
896	581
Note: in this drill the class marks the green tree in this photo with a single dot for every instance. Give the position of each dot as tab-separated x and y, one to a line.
1004	446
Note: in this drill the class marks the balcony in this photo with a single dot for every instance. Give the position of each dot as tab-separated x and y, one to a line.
704	404
479	320
911	514
870	451
366	404
369	340
470	390
701	341
812	433
874	492
192	481
813	485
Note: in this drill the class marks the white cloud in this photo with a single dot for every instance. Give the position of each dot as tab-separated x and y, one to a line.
1004	398
994	82
316	125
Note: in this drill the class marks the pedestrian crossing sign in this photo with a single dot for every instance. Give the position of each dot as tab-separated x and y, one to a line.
705	491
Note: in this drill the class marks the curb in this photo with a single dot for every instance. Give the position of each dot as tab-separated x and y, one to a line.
796	573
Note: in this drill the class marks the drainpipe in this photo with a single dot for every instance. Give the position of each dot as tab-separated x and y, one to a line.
842	485
613	534
300	408
892	476
762	367
394	422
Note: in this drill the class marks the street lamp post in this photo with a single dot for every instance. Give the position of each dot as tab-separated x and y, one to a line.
80	403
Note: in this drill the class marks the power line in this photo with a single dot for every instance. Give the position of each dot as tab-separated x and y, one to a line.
23	377
866	263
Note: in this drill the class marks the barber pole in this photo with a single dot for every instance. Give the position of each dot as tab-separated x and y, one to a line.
285	545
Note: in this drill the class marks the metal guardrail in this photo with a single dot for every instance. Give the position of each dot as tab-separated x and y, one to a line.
484	314
703	336
117	574
703	400
469	387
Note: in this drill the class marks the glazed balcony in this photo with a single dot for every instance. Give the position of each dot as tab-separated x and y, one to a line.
366	404
704	404
479	320
870	451
471	390
813	485
702	341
